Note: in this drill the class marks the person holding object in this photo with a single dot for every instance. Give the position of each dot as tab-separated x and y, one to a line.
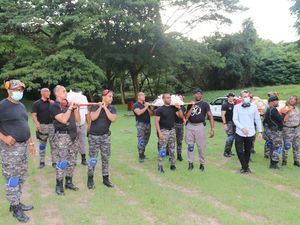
102	115
65	116
195	129
14	142
44	126
142	114
165	125
245	117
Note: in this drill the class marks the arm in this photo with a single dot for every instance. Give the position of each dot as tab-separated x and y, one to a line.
223	113
35	120
88	120
9	140
160	134
258	121
235	119
211	121
189	112
139	111
112	117
77	115
64	117
94	115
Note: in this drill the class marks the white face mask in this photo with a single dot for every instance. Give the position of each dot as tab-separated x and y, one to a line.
17	95
246	100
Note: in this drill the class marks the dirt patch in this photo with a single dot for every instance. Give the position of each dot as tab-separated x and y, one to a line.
196	218
52	216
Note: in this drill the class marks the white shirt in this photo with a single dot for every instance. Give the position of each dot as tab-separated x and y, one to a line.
246	117
81	99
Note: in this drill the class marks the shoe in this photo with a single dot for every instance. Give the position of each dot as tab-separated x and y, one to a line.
191	166
284	163
253	151
83	160
243	171
54	165
42	165
202	167
226	155
69	184
106	182
232	154
179	157
296	163
248	170
173	167
90	182
274	165
18	213
266	157
26	207
59	189
141	158
160	169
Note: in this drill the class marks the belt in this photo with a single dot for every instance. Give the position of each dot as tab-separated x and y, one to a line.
196	123
294	127
168	128
62	131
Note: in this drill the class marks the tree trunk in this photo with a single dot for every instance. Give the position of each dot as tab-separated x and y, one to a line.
123	97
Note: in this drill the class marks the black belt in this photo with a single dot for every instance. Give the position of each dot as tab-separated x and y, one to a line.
291	127
168	128
62	131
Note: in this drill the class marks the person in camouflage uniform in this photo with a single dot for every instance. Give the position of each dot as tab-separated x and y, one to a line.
14	141
102	115
44	126
142	114
275	123
179	130
65	116
165	121
291	131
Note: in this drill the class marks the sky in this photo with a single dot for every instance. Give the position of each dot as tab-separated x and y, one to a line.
272	20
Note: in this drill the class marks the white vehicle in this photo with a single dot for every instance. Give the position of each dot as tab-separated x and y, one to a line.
216	106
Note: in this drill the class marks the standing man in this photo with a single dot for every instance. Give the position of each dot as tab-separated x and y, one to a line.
81	128
142	114
195	129
14	141
291	131
165	125
229	127
65	116
275	123
245	118
102	115
179	130
44	126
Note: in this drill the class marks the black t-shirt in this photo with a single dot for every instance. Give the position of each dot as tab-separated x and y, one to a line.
145	117
42	110
56	109
14	120
167	116
199	112
228	107
101	125
179	120
273	119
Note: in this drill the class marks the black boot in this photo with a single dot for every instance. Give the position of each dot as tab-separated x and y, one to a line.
173	167
191	166
202	167
42	165
296	163
54	165
83	160
179	157
69	184
18	213
59	189
26	207
143	155
284	163
141	158
274	165
160	169
106	182
90	182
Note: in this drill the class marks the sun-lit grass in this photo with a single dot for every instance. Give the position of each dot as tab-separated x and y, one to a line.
142	196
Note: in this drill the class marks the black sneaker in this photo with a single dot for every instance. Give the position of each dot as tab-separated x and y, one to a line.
191	166
160	169
226	155
296	163
266	157
173	167
202	167
284	163
141	158
274	166
18	213
232	154
54	165
179	157
42	165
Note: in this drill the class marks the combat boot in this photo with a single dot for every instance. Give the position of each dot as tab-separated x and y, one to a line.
296	163
274	165
106	182
90	182
141	158
191	166
59	189
160	169
69	184
284	163
42	165
202	167
173	167
18	213
179	157
83	160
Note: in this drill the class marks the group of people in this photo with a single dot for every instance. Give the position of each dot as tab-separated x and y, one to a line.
63	123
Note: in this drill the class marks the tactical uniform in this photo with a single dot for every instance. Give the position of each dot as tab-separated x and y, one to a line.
99	139
179	130
228	108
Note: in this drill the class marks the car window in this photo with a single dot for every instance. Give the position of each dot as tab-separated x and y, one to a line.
218	102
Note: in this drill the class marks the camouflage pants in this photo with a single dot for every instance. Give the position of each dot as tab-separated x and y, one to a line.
67	150
276	149
291	139
179	130
143	135
268	143
14	164
47	133
101	142
230	137
168	141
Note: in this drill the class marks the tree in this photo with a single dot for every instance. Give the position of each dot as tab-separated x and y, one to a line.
295	9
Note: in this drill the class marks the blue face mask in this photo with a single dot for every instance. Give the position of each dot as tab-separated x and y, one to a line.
17	95
246	100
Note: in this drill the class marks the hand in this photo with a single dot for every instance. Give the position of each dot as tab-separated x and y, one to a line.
245	131
225	127
31	149
38	126
9	140
146	104
177	105
71	106
161	136
104	106
211	133
259	136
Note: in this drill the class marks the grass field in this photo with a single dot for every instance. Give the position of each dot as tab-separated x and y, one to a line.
142	196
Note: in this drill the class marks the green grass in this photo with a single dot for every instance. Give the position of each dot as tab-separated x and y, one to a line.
142	196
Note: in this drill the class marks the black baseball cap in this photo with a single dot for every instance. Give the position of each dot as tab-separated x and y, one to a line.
196	90
230	94
273	99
